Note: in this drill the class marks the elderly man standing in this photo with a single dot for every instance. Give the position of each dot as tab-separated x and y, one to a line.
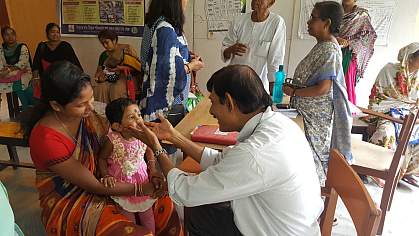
257	39
266	184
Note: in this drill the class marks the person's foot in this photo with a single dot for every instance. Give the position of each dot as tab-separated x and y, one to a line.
379	182
410	179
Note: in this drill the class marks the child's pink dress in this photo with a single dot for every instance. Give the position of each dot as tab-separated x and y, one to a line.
127	165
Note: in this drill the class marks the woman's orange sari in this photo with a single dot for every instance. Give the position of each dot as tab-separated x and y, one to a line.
71	211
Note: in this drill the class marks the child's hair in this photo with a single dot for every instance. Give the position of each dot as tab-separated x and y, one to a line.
115	110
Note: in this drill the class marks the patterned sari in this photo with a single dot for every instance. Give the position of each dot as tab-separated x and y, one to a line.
327	118
357	29
395	92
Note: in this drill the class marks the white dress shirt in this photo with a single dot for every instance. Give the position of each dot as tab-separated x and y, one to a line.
265	42
269	176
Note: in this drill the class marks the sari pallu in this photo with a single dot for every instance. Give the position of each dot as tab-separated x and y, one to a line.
327	118
357	29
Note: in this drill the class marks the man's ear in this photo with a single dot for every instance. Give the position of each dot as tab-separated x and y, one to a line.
116	126
55	106
229	101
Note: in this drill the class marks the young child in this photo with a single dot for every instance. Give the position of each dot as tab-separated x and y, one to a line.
122	159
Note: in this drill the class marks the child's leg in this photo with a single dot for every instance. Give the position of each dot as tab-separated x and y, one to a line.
147	220
129	215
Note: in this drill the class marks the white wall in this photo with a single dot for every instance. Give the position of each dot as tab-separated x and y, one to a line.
89	48
404	29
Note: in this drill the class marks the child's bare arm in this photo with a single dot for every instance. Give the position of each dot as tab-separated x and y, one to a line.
151	160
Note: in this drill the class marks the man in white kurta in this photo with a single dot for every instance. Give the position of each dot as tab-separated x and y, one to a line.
258	42
266	184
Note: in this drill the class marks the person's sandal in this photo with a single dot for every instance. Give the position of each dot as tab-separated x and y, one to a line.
380	182
411	180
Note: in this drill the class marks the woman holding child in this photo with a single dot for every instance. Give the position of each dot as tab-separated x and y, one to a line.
65	137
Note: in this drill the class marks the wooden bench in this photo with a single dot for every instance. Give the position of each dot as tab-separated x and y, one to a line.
11	135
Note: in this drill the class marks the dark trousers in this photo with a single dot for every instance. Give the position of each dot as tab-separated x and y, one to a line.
211	220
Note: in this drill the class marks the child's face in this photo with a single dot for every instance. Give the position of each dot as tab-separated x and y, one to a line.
131	117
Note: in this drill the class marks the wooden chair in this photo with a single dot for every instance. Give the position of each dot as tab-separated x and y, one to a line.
344	182
380	162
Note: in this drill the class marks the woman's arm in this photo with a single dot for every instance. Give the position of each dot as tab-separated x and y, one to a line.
23	63
74	172
319	89
104	154
36	66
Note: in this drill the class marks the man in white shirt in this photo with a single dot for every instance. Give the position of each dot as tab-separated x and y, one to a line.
266	184
257	39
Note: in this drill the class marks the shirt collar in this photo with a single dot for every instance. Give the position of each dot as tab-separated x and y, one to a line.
251	125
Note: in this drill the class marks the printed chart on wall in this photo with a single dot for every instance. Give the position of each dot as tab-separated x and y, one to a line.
381	13
220	13
88	17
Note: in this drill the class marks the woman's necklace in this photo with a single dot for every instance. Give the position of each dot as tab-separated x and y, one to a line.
65	127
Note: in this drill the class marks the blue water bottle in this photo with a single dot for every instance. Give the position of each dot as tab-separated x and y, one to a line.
279	81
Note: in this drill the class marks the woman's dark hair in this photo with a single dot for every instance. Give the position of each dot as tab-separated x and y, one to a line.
4	29
50	26
107	34
414	55
333	11
115	110
62	82
244	86
172	11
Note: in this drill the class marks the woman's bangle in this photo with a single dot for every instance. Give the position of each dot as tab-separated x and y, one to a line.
189	68
135	189
140	190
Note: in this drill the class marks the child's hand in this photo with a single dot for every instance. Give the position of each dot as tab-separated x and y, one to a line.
157	179
108	181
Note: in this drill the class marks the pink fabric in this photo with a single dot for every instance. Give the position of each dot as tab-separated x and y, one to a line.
350	79
127	165
13	78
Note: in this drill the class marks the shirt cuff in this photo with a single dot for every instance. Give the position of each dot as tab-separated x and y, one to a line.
174	174
208	158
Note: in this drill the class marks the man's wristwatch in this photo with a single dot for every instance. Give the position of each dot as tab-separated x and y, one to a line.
159	152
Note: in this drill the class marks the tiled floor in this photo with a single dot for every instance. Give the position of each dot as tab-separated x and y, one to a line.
400	221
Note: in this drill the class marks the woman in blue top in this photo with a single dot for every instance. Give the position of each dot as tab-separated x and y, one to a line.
167	62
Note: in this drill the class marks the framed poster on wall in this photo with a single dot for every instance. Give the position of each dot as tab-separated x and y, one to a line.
88	17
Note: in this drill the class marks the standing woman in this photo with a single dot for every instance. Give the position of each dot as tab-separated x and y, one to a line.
357	38
15	69
323	102
168	63
51	51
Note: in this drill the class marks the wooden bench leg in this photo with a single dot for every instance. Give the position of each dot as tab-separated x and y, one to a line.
13	155
13	104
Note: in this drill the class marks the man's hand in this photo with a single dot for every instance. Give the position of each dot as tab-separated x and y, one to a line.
108	181
237	49
145	135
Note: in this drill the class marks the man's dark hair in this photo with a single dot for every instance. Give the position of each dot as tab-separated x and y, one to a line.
244	86
333	11
115	110
108	34
170	9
